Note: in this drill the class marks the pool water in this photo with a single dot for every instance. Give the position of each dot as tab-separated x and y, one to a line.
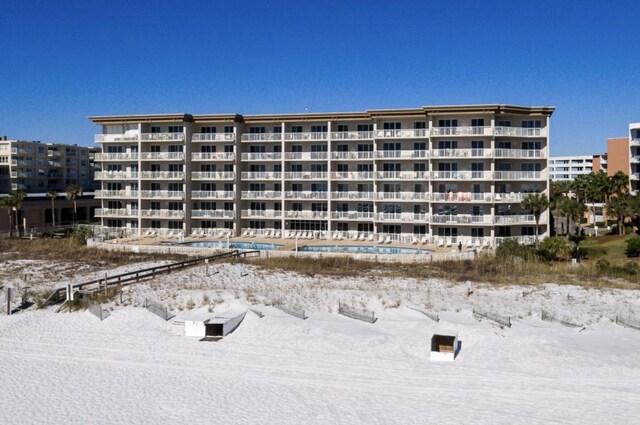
364	249
235	245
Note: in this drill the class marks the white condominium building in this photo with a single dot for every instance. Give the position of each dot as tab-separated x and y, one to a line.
436	175
39	167
569	167
634	157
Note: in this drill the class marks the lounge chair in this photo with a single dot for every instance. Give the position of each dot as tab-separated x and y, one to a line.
415	240
246	232
388	240
424	240
277	234
371	237
381	239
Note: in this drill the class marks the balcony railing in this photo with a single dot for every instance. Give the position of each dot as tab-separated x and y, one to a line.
213	175
212	156
403	175
103	194
352	155
352	135
353	175
403	196
402	154
461	153
116	175
113	138
295	137
305	195
19	175
306	175
261	214
213	137
212	214
403	217
163	175
509	197
264	194
212	194
115	212
461	175
262	137
117	156
517	219
175	156
259	175
307	214
352	215
354	196
162	213
462	197
262	156
460	219
162	137
461	131
635	141
308	156
519	175
162	194
519	132
519	153
53	154
402	134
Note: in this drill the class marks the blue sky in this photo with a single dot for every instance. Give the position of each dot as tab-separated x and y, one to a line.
64	60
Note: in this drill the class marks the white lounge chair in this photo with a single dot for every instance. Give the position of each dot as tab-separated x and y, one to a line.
440	242
381	239
424	240
415	240
245	233
277	234
388	240
267	234
371	237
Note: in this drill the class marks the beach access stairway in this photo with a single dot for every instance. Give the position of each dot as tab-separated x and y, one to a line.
129	278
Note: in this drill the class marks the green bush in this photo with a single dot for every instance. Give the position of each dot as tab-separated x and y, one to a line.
603	265
510	248
554	247
633	247
593	252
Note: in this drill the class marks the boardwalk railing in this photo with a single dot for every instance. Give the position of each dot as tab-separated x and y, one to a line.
138	275
364	315
547	317
295	313
158	309
501	320
431	315
392	258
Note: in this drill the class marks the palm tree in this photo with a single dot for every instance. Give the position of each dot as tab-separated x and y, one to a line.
622	207
52	194
536	203
13	203
620	182
74	192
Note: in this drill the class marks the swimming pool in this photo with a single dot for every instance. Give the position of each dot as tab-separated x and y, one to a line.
235	245
365	249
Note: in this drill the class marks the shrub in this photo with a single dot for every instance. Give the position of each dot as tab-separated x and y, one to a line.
511	248
603	265
554	247
633	247
593	251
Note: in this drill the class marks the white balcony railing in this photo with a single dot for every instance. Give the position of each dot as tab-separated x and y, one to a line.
213	175
213	137
162	213
402	154
213	156
403	175
117	156
262	137
519	132
461	153
162	137
519	153
354	196
460	219
402	134
461	175
307	214
260	213
403	196
352	215
461	131
402	217
308	156
305	195
509	197
162	175
104	194
260	175
306	175
353	175
517	219
212	214
175	156
161	194
352	135
352	155
462	197
264	194
114	138
305	136
519	175
262	156
212	194
115	212
116	175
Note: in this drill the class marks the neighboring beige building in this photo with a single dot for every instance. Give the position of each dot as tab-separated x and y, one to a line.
39	167
434	175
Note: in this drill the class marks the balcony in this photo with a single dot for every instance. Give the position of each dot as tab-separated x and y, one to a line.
519	153
213	137
306	175
402	175
353	175
353	196
53	154
519	132
215	194
110	194
161	194
267	175
179	214
461	131
305	195
635	159
461	153
18	186
115	138
19	174
352	215
117	156
116	175
402	134
634	176
213	156
517	219
635	141
352	155
262	156
307	156
162	175
212	214
264	194
462	197
55	164
171	156
260	214
404	217
262	137
20	163
352	135
460	219
402	154
115	212
519	175
461	175
307	214
299	137
162	137
213	175
403	196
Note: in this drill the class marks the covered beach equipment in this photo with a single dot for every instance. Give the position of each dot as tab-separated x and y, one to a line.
444	347
213	325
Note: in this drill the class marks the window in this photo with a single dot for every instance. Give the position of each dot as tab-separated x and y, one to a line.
343	128
208	130
228	129
477	122
531	124
175	129
447	123
296	129
531	145
504	123
257	130
391	126
277	129
156	130
365	127
448	144
419	125
318	128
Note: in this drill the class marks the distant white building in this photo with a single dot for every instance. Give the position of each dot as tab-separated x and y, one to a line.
569	167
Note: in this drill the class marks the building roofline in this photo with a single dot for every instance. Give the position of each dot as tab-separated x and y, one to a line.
121	119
